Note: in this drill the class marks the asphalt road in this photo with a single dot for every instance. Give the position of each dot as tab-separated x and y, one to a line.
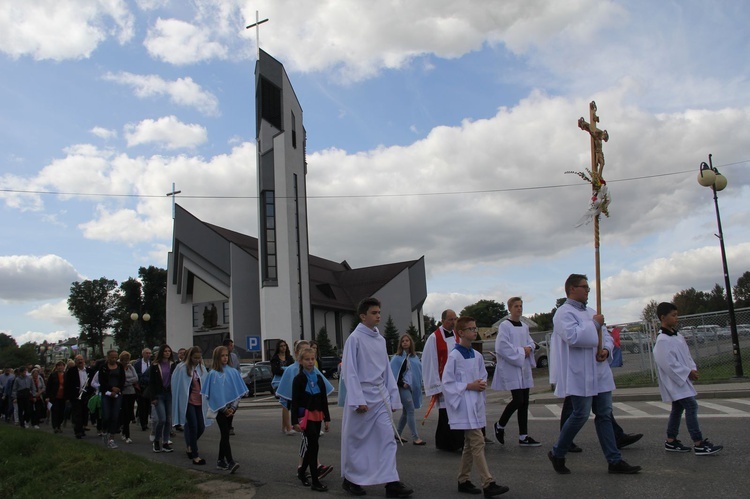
268	459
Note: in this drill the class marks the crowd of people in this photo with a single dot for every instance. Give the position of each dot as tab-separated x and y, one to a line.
184	394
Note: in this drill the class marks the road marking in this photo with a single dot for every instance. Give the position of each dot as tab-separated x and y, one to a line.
661	405
555	409
630	410
722	408
739	401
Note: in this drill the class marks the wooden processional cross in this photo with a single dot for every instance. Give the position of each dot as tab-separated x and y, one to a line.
600	196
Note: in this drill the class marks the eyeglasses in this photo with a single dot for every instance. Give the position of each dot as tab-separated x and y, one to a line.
472	329
587	288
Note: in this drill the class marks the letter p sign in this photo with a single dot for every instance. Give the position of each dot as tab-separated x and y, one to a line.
253	343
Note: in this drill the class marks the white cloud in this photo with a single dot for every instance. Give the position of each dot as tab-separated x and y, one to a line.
55	312
104	133
49	29
28	277
179	42
168	131
182	91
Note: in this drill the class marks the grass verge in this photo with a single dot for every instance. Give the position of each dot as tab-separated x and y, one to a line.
36	464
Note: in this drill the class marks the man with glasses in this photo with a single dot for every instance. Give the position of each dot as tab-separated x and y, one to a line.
581	348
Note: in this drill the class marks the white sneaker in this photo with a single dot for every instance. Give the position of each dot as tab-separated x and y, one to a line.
128	441
112	444
291	433
36	426
123	438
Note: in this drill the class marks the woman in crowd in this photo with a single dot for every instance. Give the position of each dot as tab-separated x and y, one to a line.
160	388
129	395
223	389
111	383
279	362
39	401
56	395
407	369
188	408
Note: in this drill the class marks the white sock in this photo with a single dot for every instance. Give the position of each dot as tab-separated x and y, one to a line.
522	437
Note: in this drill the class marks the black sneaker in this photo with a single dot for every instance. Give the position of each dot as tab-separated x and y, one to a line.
529	442
675	446
623	468
303	477
627	439
397	489
494	489
558	463
574	448
468	488
318	487
324	471
166	448
221	465
500	433
706	448
232	467
353	488
156	446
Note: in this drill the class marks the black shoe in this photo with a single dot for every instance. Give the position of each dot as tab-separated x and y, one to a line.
574	448
559	464
166	448
156	446
232	467
468	488
231	431
397	489
178	427
529	442
303	477
403	440
318	487
324	471
221	465
627	439
353	488
500	433
623	468
494	489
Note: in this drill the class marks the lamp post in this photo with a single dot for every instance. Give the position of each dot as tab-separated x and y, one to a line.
137	339
708	176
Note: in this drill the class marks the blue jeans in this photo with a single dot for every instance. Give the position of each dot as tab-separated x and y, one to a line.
407	415
194	427
163	413
690	406
601	405
111	413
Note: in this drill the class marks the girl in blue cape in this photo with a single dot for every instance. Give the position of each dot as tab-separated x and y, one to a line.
223	389
407	369
188	405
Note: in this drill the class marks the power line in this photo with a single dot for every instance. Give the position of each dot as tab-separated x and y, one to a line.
361	196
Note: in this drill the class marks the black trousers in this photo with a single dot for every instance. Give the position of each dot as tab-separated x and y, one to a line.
24	410
445	438
520	403
79	414
57	413
225	449
309	449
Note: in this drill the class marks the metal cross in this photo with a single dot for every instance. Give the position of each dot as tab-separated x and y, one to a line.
256	25
174	196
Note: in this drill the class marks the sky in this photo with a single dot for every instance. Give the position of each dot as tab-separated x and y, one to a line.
435	128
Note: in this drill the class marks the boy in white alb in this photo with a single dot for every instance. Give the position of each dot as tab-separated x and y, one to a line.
515	358
676	370
464	383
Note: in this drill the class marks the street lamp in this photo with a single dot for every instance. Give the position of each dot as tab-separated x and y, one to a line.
709	176
137	338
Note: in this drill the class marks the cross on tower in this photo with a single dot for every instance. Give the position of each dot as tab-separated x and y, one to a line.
256	25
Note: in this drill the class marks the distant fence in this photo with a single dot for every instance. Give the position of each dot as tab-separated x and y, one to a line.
708	336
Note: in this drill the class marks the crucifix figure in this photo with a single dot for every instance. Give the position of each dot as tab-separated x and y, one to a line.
597	136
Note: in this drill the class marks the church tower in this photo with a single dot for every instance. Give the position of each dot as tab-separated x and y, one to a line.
282	205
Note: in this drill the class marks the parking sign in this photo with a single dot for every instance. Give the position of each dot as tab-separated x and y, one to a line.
252	343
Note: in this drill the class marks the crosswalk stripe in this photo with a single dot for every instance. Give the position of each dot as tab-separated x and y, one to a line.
630	410
554	409
740	401
661	405
721	408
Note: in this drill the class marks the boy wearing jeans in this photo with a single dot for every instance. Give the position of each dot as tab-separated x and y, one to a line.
464	383
676	370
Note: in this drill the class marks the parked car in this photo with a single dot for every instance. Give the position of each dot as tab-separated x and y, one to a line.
329	366
257	378
490	362
541	354
634	342
692	336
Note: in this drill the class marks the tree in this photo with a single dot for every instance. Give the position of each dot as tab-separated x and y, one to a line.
486	312
429	325
391	336
129	333
689	301
742	291
716	300
92	303
418	341
7	341
648	315
324	344
11	355
544	319
154	281
145	295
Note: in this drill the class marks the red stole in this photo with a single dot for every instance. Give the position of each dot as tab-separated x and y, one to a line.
442	351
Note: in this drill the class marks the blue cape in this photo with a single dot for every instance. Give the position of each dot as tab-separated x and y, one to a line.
223	388
416	375
284	391
181	391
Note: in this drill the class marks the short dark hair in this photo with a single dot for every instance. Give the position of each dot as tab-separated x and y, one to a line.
664	308
573	280
463	321
444	314
365	305
227	342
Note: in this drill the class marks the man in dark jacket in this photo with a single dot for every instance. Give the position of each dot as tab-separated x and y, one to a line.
77	392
